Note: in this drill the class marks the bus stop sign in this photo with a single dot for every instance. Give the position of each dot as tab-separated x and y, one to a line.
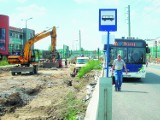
107	19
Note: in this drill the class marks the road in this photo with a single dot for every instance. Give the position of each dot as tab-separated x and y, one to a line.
139	99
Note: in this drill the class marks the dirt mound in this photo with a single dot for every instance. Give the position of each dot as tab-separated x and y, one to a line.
10	101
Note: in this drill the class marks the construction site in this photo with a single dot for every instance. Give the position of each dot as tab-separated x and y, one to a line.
38	85
48	84
51	94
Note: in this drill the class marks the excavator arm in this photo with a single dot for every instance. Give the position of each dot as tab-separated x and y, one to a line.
26	58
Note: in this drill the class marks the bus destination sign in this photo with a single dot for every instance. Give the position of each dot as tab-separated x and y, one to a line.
128	43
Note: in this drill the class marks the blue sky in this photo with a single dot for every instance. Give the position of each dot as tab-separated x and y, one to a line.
70	16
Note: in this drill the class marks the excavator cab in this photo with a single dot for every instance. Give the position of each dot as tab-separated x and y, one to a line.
35	56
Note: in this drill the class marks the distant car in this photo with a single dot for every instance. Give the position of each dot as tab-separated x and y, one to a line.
81	61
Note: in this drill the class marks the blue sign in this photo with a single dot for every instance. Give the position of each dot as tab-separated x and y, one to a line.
107	19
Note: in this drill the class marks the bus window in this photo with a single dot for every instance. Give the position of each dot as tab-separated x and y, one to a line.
123	53
136	55
118	50
112	55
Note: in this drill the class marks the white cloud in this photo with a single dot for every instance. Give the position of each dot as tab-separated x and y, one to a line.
21	1
99	2
154	2
153	6
4	0
85	1
32	10
152	12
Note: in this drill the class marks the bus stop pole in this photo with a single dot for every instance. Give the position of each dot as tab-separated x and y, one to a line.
105	92
107	56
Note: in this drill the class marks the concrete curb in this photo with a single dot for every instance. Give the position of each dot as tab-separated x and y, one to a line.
92	109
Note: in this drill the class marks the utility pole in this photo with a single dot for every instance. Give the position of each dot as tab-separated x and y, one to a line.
79	40
129	22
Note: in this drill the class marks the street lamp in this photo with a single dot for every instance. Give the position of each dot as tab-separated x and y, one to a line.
76	44
26	26
27	20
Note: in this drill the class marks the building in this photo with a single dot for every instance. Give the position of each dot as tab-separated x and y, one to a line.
12	39
18	38
154	45
15	40
4	38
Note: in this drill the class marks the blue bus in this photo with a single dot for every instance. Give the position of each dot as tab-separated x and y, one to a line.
133	52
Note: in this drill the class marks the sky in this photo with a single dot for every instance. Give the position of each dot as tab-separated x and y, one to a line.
72	16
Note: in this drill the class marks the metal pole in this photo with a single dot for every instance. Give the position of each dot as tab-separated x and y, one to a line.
26	24
107	59
98	53
26	32
156	48
26	27
129	22
79	40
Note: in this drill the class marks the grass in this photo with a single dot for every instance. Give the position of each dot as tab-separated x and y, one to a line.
4	62
73	106
91	65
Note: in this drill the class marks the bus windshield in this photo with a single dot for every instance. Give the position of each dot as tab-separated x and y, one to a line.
129	54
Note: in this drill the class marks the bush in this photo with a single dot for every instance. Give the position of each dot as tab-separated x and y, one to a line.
91	65
4	62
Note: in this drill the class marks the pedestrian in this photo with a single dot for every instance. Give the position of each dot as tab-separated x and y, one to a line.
117	67
65	62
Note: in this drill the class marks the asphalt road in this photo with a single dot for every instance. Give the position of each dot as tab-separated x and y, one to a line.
139	99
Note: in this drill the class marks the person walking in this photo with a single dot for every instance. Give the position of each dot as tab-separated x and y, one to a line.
66	63
117	67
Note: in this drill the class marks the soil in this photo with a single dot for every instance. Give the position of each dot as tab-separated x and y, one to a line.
52	94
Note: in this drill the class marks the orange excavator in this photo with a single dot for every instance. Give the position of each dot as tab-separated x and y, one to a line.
27	62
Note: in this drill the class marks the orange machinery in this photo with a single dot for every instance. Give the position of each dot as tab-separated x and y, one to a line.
27	61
